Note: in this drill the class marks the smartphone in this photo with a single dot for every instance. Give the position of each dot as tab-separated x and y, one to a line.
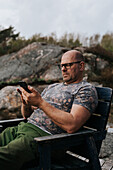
24	85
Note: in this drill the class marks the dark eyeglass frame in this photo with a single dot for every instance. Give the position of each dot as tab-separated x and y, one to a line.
68	65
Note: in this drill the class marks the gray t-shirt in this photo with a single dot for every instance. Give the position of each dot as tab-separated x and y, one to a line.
63	97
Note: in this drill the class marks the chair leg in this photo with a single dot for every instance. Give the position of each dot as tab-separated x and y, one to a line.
94	159
45	157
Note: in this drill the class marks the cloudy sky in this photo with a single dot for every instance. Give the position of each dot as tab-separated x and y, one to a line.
29	17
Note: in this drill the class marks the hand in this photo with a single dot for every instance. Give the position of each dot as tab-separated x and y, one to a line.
34	98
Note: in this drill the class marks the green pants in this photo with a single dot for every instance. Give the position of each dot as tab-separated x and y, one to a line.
17	145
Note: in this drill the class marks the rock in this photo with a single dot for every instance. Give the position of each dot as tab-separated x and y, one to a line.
94	62
33	61
52	74
10	103
107	147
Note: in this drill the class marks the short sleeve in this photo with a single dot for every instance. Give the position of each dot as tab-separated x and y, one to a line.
87	97
44	91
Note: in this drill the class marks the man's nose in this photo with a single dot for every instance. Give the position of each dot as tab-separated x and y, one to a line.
64	68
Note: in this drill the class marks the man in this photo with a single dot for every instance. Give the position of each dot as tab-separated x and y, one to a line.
62	107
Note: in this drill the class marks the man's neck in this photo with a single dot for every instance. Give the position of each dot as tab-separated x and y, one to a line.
72	82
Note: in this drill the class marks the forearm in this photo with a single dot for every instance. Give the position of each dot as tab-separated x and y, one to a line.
61	118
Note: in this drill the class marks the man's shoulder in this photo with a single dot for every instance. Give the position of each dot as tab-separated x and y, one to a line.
87	84
83	86
54	85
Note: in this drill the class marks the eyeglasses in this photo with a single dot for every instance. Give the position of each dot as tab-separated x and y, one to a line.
68	65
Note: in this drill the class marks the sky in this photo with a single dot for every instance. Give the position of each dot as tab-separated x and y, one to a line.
83	17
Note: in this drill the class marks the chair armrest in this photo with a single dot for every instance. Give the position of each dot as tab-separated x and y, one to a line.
64	140
11	122
63	135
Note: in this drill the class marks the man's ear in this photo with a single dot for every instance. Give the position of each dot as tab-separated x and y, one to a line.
82	65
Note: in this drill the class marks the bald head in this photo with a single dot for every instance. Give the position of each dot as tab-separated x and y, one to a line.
74	55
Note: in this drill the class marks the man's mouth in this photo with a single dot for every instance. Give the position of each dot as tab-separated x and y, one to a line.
65	75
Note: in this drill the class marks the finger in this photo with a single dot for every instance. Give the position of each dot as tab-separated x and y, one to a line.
23	101
18	90
24	91
34	107
32	89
